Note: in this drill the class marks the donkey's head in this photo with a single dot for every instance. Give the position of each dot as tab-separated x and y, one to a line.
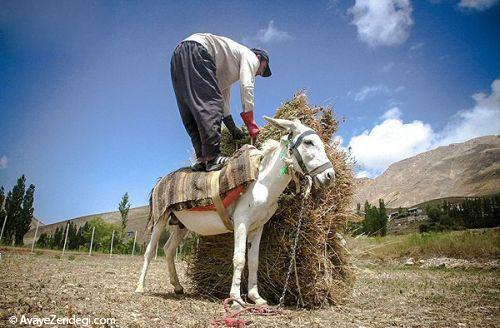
306	150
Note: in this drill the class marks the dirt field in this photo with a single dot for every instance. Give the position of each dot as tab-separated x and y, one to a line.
38	285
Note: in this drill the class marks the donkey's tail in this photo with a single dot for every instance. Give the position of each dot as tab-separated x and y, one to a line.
151	220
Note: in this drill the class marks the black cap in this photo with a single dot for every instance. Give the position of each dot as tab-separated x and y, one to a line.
264	56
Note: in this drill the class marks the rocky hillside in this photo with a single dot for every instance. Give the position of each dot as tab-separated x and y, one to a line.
471	168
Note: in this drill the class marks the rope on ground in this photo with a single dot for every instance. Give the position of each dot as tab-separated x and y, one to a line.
231	320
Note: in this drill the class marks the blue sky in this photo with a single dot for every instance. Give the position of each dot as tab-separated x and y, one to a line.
87	110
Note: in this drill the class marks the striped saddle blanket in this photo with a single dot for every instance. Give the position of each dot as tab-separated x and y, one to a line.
185	189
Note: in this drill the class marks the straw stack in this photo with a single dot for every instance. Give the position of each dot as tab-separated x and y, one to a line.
321	274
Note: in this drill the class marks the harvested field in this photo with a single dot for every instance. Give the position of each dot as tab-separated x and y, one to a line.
41	284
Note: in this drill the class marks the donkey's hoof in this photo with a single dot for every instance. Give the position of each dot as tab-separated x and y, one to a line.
139	289
236	306
179	291
260	302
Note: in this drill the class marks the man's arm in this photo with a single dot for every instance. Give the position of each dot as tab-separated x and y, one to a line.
249	65
226	95
227	118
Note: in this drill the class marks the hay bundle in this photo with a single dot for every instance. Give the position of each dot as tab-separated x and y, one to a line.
321	275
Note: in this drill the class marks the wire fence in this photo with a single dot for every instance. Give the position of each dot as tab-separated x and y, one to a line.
131	247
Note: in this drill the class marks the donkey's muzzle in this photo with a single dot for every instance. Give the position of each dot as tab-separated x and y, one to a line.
324	178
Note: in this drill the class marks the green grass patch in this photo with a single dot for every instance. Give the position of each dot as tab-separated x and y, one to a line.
467	244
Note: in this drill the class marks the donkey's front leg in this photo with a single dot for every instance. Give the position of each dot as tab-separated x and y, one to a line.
240	240
253	257
253	265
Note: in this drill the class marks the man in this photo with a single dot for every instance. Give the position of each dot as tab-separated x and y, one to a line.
203	68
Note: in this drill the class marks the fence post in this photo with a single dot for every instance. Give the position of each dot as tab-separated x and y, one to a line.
112	239
65	239
197	245
91	240
133	247
34	239
3	226
5	219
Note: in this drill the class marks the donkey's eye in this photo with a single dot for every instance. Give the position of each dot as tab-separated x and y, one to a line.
308	142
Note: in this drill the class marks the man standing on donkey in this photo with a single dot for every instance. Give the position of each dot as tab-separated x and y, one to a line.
203	68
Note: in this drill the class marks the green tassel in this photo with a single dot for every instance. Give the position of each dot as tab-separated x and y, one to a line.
283	170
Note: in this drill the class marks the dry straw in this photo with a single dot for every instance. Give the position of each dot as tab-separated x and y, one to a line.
321	274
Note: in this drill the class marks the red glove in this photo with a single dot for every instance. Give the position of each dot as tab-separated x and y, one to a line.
252	127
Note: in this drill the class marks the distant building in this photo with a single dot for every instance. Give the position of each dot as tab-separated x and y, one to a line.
393	215
414	211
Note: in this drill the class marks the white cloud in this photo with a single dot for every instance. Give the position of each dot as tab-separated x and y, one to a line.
363	174
482	119
338	139
332	4
382	22
268	35
4	161
368	91
393	112
393	140
416	46
387	67
477	4
388	142
371	90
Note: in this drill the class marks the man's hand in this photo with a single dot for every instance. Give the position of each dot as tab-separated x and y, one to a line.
236	132
253	129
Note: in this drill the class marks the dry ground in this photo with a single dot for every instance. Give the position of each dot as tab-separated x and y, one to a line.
99	286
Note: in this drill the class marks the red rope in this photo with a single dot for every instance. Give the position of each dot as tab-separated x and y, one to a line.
231	320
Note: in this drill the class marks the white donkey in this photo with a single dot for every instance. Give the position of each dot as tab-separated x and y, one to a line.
301	148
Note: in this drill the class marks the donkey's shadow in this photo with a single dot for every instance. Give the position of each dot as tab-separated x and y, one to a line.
174	296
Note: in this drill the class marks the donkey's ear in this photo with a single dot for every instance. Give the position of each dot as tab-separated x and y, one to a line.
280	123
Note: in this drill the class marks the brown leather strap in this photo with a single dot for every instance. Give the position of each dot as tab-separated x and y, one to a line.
221	210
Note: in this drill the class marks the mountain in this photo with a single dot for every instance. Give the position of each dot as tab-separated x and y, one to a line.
471	168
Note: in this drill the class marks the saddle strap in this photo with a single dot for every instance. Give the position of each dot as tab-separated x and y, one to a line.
221	210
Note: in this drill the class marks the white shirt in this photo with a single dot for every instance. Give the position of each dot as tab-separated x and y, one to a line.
234	62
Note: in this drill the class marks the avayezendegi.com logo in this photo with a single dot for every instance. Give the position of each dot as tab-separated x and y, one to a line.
55	320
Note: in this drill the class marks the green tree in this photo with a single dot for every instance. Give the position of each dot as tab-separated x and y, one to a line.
14	209
382	217
102	235
57	239
73	240
79	238
18	211
434	213
23	222
85	235
3	200
375	222
43	241
124	208
2	197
